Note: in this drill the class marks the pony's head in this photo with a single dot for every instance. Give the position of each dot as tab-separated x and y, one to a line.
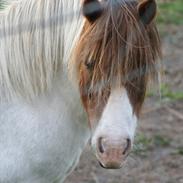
114	59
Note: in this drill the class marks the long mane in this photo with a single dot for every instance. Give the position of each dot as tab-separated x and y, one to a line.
35	40
124	50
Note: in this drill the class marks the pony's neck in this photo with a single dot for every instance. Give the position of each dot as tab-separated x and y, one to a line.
37	40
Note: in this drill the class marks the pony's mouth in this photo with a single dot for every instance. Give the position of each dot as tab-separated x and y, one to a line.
111	166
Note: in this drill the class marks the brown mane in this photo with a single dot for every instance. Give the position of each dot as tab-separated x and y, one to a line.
122	50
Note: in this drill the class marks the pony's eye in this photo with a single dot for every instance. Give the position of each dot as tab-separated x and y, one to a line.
90	65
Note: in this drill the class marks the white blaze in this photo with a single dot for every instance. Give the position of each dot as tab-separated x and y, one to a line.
118	121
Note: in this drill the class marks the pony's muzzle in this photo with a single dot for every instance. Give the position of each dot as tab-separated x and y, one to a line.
111	154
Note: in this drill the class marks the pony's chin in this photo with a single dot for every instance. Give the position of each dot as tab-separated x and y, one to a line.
110	166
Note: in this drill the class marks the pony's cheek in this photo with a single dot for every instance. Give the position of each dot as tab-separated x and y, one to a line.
94	110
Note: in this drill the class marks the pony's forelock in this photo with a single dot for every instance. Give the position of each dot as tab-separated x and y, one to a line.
125	51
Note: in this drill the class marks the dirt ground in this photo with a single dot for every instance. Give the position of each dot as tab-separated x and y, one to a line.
158	154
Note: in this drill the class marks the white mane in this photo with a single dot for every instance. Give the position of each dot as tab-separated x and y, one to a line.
35	41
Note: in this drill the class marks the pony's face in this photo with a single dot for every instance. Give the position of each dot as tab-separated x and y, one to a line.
114	59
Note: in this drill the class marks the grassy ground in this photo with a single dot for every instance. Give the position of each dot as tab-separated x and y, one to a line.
171	12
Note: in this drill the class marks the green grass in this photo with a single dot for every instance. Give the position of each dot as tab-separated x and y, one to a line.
180	151
167	94
171	12
143	144
161	141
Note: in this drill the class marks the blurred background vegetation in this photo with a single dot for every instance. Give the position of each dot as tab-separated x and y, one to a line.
170	12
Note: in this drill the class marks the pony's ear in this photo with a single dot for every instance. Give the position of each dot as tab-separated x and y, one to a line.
147	11
92	9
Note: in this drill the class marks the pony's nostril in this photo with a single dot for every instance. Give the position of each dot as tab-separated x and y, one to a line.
100	145
128	146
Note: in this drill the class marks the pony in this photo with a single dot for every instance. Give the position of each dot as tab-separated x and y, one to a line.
114	61
71	71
